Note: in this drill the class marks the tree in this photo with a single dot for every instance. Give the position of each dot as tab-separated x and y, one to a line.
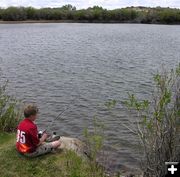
30	11
68	7
14	13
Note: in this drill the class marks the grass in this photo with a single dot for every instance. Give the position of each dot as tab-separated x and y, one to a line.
63	164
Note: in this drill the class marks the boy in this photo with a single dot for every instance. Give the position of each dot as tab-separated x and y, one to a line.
28	143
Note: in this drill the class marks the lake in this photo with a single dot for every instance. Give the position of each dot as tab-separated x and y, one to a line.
54	64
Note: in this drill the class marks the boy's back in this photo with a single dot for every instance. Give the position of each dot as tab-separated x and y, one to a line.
27	139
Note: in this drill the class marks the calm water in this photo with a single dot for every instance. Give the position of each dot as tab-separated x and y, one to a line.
51	64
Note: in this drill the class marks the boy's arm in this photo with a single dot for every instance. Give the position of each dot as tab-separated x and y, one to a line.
42	139
34	137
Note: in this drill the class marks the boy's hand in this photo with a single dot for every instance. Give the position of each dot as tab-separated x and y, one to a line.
44	136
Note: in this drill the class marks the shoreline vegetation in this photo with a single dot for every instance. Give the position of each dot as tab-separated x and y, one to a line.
96	14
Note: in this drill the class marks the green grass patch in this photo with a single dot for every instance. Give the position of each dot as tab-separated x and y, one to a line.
63	164
5	137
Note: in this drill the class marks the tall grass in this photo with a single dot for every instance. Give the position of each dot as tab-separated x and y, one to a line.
94	140
9	114
158	123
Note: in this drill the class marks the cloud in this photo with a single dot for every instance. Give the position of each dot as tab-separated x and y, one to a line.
109	4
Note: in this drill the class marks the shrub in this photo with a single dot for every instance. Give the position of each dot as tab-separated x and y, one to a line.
94	140
9	114
158	123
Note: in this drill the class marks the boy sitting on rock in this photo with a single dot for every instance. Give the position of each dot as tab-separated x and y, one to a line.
28	142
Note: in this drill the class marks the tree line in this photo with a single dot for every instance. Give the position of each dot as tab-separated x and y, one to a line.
93	14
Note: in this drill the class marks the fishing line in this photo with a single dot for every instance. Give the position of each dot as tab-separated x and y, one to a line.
60	114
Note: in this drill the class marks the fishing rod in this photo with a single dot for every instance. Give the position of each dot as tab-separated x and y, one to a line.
59	115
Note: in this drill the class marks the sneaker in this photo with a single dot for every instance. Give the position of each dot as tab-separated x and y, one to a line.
53	138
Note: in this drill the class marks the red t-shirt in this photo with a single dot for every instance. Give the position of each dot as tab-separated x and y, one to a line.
27	136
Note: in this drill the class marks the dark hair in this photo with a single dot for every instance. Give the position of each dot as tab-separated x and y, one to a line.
30	110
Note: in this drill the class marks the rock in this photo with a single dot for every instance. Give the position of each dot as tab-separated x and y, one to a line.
75	145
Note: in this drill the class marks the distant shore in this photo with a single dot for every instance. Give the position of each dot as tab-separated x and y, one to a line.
78	21
60	21
37	21
95	14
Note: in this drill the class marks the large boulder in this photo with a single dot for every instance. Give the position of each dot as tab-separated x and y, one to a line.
75	145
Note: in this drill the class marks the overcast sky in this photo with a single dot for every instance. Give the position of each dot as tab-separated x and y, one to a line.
109	4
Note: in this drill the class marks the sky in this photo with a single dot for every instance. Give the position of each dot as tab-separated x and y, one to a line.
109	4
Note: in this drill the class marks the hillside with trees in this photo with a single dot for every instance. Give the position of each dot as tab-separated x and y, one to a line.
94	14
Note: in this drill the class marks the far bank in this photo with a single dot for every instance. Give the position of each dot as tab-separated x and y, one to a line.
79	21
